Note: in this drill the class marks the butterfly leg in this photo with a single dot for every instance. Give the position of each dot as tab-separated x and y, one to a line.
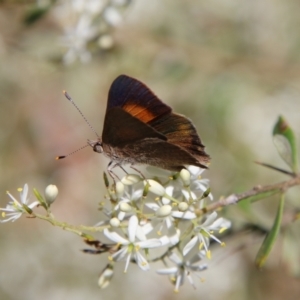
123	169
112	174
135	169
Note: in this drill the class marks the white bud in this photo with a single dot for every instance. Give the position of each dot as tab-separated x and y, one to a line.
164	211
183	206
131	179
125	207
106	276
119	189
114	222
106	42
51	193
155	187
185	176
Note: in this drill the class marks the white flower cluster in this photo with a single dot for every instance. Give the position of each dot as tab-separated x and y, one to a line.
87	25
164	213
162	218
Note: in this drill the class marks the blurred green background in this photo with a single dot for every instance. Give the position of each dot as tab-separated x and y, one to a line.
231	66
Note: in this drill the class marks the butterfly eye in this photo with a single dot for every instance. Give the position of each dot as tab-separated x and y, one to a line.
98	147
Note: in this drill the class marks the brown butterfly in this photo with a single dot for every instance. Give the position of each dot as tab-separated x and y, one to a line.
140	129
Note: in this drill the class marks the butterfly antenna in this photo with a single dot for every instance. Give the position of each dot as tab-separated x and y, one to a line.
83	116
63	156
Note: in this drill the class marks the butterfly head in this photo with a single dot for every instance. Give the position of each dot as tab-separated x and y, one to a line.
96	145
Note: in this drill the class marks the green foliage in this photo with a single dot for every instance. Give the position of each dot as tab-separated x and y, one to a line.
285	142
35	14
270	239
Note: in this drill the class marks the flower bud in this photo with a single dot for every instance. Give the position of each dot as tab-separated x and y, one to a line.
51	193
131	179
164	211
114	222
155	187
125	207
185	176
106	276
119	189
106	42
183	206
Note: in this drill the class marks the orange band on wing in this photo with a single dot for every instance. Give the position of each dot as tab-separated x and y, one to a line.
142	113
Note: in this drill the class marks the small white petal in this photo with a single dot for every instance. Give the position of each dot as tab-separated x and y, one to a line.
132	228
187	248
121	215
175	258
189	195
195	171
119	255
187	215
174	235
141	261
210	219
23	194
164	240
147	228
127	262
153	206
167	271
115	237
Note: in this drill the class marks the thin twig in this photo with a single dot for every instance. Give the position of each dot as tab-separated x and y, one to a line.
255	193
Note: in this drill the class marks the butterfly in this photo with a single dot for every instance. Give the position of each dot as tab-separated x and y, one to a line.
140	129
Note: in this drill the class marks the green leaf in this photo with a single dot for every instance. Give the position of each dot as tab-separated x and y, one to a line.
269	240
285	142
40	198
35	14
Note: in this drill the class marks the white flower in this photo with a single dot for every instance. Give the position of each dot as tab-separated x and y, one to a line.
184	268
14	209
76	40
204	232
130	247
126	200
112	16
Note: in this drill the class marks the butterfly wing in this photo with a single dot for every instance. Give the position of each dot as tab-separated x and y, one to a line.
136	99
121	128
160	153
180	131
134	113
